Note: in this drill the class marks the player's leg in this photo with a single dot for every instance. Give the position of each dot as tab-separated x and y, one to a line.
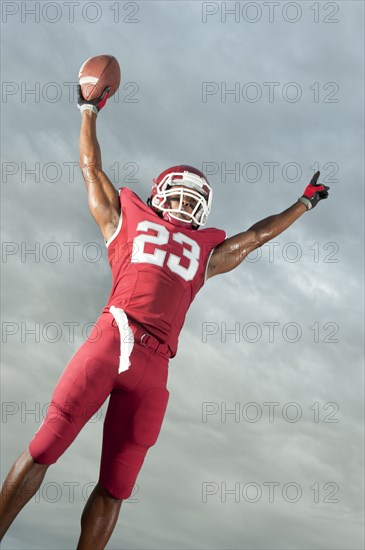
98	519
20	485
83	387
102	508
78	395
133	422
135	413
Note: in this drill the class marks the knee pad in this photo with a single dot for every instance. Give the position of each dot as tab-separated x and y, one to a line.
149	416
54	436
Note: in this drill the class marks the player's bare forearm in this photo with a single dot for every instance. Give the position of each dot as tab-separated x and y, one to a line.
270	227
90	154
103	198
234	250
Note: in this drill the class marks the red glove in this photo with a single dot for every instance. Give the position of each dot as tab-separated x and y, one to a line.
94	105
314	192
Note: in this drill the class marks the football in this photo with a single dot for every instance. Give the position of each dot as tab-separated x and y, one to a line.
96	74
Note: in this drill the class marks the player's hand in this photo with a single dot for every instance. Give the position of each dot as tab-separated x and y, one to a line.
94	105
314	192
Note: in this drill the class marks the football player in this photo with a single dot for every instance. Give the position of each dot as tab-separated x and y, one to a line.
160	255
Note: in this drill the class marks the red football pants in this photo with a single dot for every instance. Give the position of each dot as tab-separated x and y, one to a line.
137	405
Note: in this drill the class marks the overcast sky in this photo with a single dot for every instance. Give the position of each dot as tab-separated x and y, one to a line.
262	443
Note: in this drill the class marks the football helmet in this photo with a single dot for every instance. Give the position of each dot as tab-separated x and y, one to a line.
180	183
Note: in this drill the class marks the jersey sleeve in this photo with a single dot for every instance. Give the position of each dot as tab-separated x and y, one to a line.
216	237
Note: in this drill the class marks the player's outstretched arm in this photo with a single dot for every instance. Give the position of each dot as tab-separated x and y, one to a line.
234	250
103	198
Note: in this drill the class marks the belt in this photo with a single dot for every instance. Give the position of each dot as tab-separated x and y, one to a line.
147	340
142	337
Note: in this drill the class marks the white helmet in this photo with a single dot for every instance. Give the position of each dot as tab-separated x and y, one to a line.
191	182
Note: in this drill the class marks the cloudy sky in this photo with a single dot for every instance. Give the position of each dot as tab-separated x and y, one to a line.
262	443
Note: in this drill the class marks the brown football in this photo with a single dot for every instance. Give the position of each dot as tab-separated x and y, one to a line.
96	74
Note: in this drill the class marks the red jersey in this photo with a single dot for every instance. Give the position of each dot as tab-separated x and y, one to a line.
157	268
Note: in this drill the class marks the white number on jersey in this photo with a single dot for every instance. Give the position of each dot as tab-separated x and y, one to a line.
158	256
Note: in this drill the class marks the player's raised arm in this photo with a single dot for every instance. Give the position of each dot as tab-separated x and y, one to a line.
234	250
103	198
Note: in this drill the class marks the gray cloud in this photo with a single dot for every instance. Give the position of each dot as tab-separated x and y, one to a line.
168	56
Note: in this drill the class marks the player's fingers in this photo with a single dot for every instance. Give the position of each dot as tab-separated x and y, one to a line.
314	180
105	92
79	94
